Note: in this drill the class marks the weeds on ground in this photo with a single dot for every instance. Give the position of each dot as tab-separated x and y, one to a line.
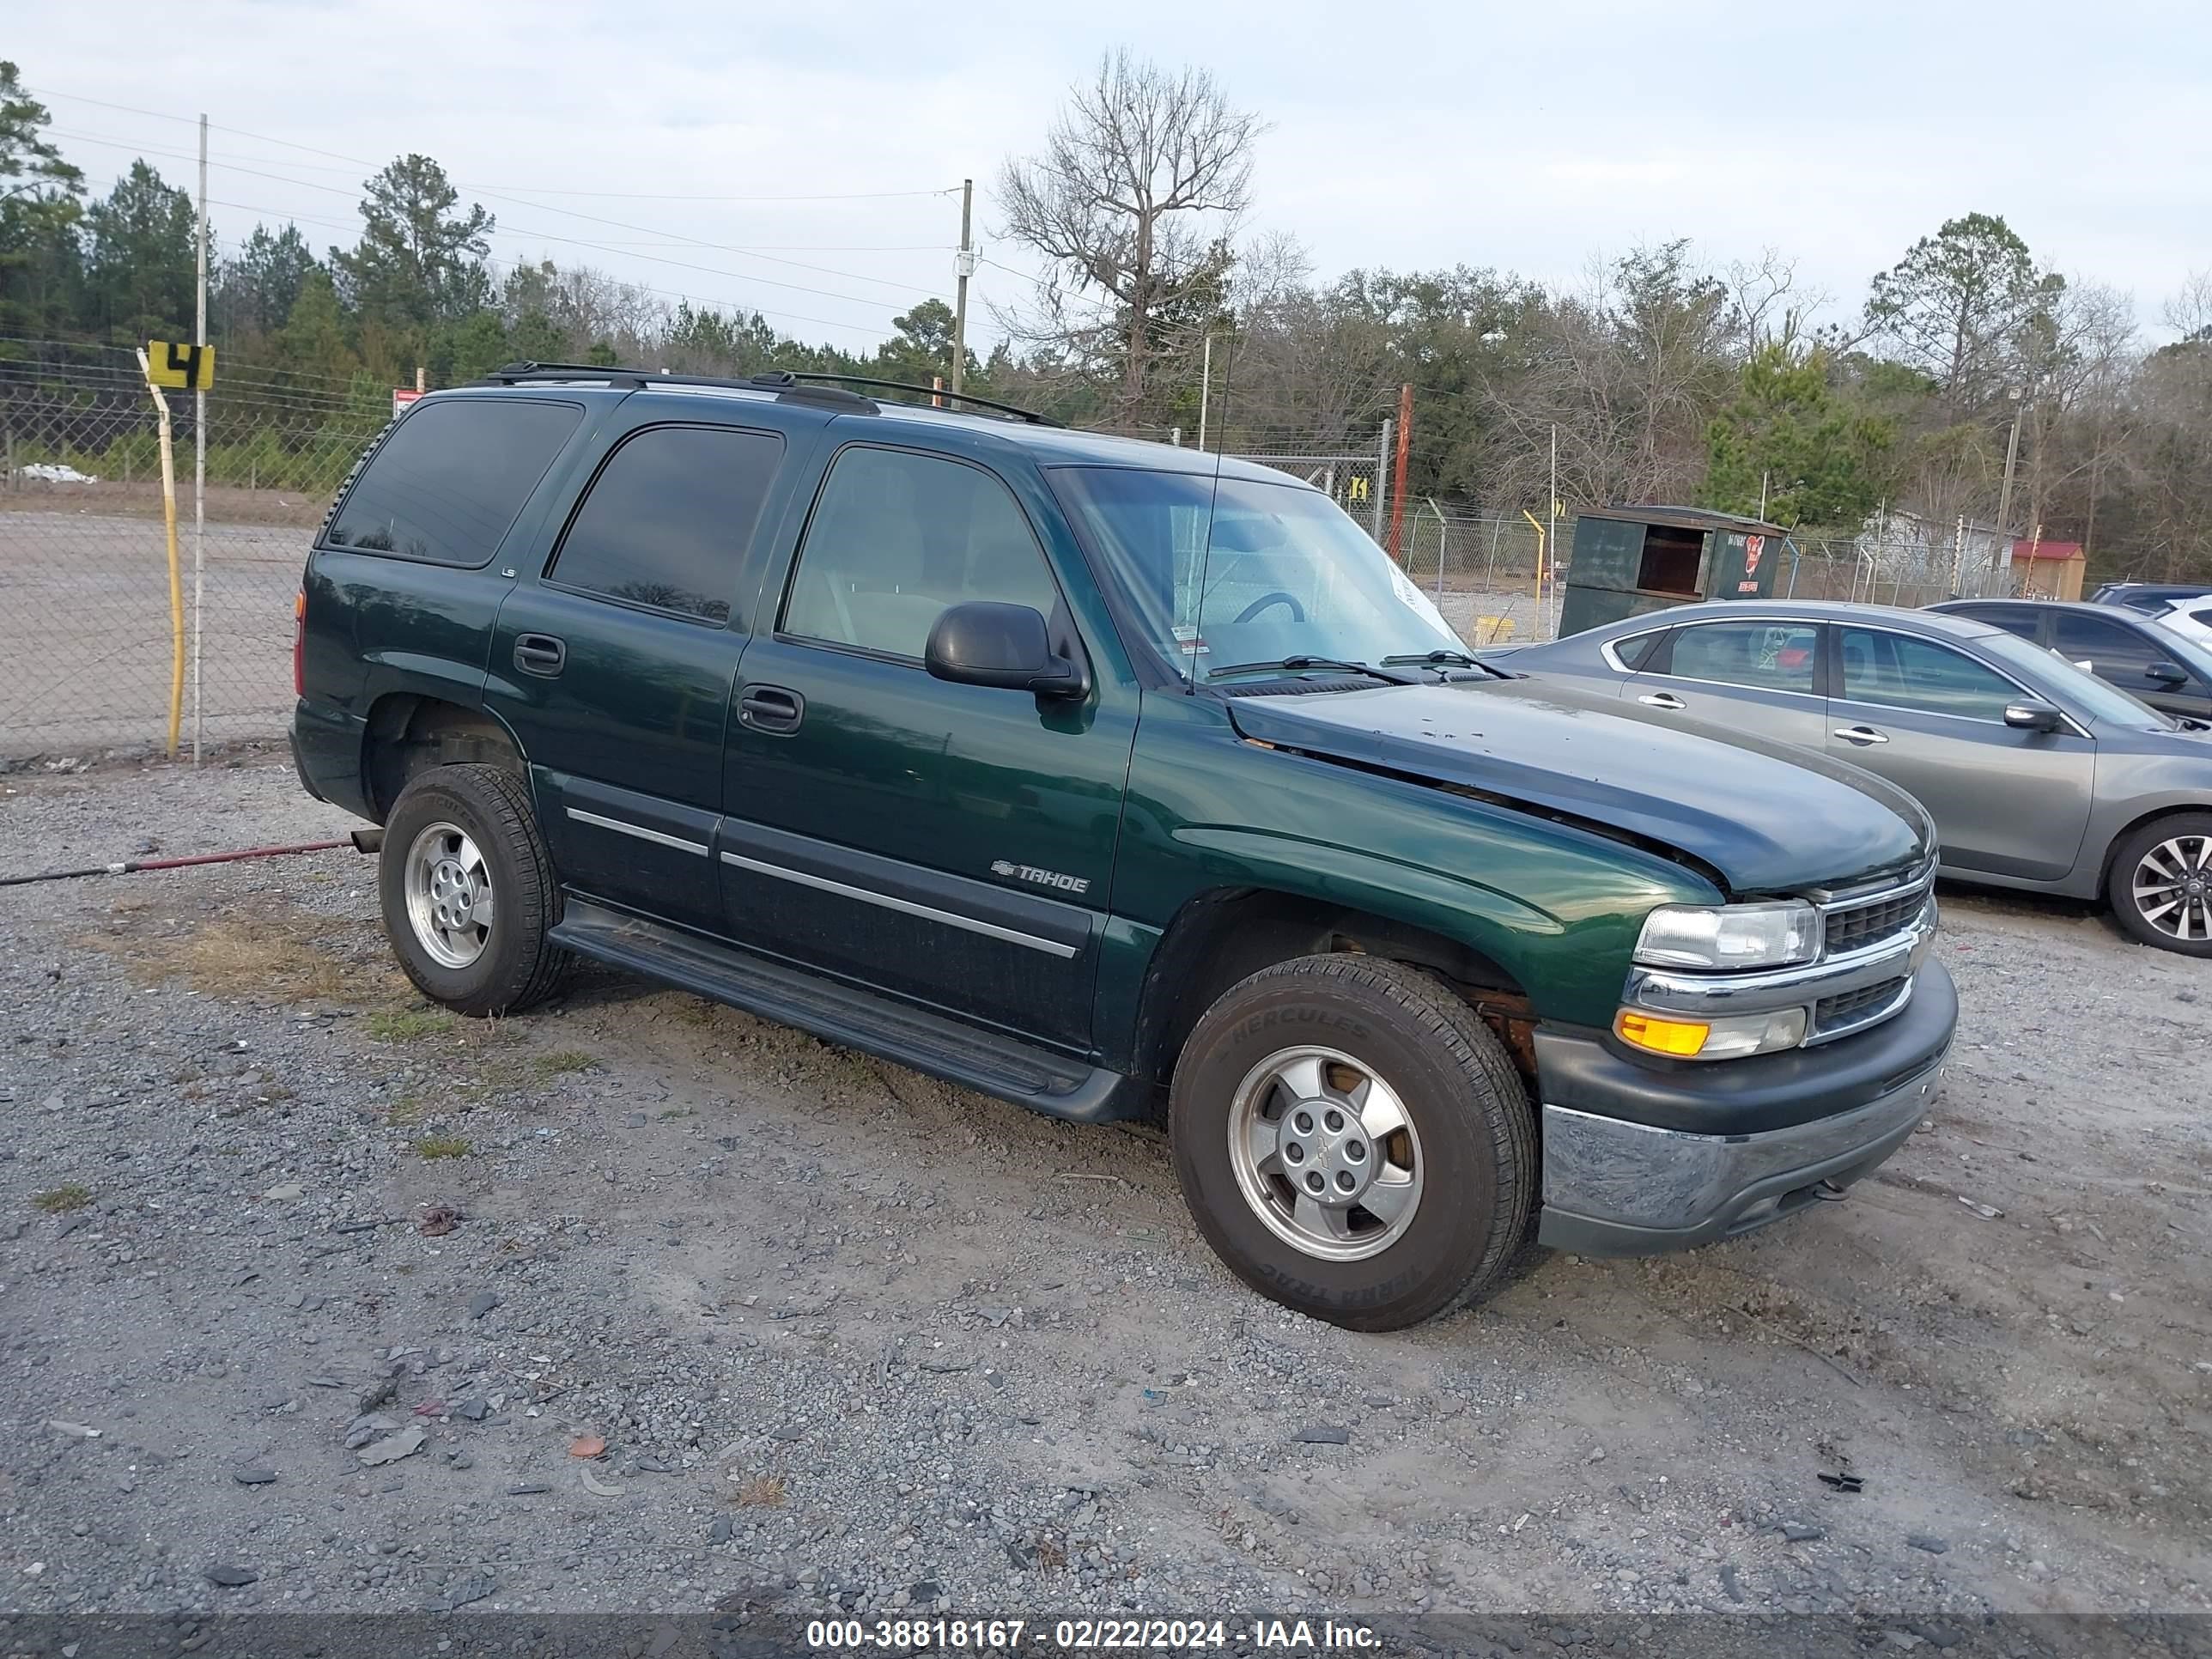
60	1200
406	1112
762	1491
277	959
434	1147
562	1062
408	1024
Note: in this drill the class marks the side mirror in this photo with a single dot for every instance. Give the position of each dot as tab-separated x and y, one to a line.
1006	646
2163	672
2032	717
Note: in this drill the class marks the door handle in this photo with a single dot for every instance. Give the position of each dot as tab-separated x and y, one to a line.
540	653
770	708
1666	699
1862	735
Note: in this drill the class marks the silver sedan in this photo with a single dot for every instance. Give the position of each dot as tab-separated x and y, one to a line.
2038	776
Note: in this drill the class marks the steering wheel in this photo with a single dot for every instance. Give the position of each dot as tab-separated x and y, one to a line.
1297	610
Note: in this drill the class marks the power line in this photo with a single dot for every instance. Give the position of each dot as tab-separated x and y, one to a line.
548	235
541	190
734	308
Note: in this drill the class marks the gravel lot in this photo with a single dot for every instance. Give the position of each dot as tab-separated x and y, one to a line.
348	1287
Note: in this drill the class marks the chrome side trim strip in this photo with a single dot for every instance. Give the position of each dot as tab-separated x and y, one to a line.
929	913
640	831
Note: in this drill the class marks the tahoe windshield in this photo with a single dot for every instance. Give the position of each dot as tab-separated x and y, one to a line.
1249	576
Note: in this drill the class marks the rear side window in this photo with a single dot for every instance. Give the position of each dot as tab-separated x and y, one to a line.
1771	656
2026	624
669	517
1635	650
447	484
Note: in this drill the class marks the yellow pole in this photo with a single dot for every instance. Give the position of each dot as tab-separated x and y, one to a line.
1539	529
176	576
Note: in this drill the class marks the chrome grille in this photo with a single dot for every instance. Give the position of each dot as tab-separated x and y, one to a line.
1855	924
1832	1015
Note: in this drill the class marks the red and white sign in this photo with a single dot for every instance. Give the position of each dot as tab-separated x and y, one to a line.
401	397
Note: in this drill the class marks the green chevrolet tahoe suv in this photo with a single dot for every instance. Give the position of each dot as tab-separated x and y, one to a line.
1117	780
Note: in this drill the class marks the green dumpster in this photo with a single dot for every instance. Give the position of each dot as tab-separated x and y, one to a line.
1631	560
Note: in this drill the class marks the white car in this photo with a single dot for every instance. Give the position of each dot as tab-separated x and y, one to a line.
2191	618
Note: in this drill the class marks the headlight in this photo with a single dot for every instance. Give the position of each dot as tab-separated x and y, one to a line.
1727	936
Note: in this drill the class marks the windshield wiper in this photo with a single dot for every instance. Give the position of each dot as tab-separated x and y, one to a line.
1296	663
1456	658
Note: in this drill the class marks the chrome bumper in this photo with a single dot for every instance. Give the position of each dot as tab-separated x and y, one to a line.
1614	1187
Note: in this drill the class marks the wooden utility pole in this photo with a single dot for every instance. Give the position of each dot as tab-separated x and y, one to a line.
2004	492
1397	478
966	268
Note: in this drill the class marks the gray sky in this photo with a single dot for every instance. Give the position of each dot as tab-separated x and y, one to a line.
1530	138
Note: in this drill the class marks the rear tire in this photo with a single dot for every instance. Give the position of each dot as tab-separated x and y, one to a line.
1353	1142
2159	884
468	892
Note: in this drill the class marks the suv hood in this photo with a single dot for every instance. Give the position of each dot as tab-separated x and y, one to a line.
1770	818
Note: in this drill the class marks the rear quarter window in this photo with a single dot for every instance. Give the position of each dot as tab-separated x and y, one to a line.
447	483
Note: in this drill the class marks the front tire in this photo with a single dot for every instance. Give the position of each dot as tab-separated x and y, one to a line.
1353	1142
2160	883
468	893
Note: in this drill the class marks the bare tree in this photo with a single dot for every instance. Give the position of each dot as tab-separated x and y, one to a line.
2189	314
1144	176
1767	307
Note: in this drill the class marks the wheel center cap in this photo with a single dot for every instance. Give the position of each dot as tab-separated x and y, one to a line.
2194	888
1326	1151
453	893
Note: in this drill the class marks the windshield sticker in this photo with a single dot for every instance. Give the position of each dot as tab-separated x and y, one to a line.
1402	585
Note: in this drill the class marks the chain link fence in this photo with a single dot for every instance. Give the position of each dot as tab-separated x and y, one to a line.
87	647
88	636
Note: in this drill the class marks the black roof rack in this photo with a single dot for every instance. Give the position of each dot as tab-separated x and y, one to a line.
932	392
784	384
799	385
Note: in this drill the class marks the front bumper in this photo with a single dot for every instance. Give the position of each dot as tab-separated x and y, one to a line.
1630	1169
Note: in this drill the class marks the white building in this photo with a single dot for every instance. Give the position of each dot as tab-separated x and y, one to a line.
1963	556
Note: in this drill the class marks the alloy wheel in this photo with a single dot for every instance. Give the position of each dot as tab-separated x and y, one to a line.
449	896
1325	1153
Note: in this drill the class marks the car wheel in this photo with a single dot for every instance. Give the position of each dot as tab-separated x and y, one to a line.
468	893
2160	883
1353	1141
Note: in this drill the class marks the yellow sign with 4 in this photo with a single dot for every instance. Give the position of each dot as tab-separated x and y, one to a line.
184	367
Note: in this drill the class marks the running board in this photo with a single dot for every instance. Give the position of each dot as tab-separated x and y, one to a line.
1003	1066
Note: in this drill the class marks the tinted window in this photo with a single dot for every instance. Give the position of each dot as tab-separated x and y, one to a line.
2011	618
2046	673
1634	650
668	518
1902	672
447	482
2114	651
2202	617
896	539
1774	656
